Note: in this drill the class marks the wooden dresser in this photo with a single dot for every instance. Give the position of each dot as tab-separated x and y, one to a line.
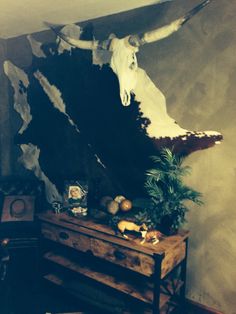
91	261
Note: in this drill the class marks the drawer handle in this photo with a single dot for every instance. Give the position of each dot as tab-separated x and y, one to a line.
63	235
119	255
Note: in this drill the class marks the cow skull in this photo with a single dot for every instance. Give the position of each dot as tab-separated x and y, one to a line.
124	64
123	60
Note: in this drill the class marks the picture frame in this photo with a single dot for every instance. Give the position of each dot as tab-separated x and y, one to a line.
18	208
75	197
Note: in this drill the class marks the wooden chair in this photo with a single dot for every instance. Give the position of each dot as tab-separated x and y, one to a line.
19	243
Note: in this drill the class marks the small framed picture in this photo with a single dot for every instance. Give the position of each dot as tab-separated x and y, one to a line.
18	208
76	197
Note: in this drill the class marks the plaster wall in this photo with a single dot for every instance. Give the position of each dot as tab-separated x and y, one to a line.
195	69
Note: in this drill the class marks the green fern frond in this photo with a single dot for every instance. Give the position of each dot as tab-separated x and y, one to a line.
166	189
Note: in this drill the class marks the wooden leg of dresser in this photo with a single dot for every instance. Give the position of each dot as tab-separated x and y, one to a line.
157	282
183	279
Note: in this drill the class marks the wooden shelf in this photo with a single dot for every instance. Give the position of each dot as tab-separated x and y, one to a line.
143	293
70	287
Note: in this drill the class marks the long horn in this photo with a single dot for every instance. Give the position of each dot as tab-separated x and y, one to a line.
82	44
194	11
162	32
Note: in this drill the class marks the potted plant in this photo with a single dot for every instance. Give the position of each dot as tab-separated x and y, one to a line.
166	207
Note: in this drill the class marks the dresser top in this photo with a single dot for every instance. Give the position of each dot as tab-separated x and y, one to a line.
96	229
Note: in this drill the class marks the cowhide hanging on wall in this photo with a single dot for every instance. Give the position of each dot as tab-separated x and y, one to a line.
75	124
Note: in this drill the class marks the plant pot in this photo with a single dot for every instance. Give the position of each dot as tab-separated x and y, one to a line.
166	226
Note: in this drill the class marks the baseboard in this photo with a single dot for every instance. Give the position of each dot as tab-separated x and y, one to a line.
201	309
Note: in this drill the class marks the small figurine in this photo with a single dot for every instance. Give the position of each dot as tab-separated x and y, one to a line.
79	211
125	225
57	207
4	258
152	236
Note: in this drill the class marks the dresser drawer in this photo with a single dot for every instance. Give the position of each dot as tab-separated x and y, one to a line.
128	258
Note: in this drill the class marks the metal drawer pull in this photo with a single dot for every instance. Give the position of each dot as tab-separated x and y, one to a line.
119	255
63	235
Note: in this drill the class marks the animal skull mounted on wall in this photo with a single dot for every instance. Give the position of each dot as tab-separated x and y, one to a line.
123	61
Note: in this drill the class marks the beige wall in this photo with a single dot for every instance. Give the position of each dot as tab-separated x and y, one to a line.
196	70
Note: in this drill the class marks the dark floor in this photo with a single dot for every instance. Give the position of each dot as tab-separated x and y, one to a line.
23	292
24	300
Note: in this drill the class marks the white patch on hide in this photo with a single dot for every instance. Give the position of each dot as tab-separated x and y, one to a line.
153	107
30	160
54	95
71	30
18	77
99	160
51	91
36	47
